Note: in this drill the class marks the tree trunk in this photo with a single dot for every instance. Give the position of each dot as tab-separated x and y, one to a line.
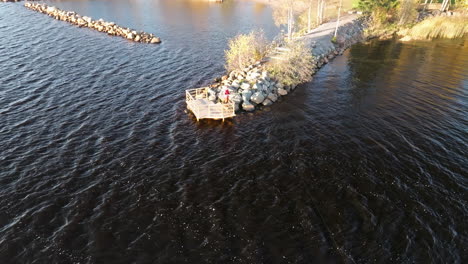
322	11
308	18
318	11
338	20
444	5
289	23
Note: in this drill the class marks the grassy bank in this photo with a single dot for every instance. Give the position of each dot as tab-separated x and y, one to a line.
438	27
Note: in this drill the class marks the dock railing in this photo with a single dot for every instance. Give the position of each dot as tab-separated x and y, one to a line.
198	103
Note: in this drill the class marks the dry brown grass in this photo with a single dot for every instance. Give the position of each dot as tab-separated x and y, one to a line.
440	27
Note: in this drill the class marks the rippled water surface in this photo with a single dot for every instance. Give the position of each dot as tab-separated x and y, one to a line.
100	163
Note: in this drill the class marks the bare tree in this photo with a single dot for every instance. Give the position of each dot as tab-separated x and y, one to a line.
445	5
320	11
284	14
338	19
309	15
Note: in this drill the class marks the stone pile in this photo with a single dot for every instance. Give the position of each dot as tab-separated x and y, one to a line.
249	88
100	25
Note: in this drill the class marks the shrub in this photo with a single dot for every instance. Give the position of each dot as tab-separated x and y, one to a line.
296	65
370	5
382	11
245	49
407	11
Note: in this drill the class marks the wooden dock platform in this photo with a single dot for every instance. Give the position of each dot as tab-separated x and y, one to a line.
202	108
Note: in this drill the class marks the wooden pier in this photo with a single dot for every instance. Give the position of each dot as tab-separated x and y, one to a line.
202	108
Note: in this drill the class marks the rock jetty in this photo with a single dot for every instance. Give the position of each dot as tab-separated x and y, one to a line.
249	88
100	25
253	87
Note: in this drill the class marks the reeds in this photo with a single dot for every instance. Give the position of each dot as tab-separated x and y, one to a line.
440	27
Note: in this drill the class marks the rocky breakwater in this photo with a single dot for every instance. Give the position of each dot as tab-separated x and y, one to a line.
253	87
325	47
100	25
250	88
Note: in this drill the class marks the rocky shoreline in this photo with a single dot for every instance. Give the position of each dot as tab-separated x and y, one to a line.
100	25
253	87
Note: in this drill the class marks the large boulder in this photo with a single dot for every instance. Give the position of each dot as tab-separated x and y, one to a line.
248	106
235	83
51	9
246	96
87	19
272	97
236	107
245	86
236	98
260	86
267	102
257	97
155	40
282	91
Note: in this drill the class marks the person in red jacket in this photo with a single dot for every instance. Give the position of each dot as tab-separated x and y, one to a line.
226	92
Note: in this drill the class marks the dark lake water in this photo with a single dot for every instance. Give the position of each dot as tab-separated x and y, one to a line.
100	163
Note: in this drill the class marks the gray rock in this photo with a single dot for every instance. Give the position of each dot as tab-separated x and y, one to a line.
245	86
282	91
236	107
246	96
267	102
257	97
236	98
236	84
272	97
87	19
248	107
